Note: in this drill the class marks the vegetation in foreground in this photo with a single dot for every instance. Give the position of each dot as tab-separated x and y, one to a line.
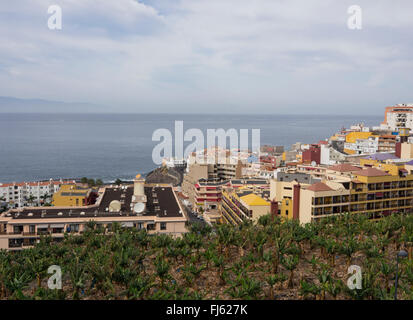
272	259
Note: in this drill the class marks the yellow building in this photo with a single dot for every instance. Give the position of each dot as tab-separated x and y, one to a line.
373	191
353	136
353	140
379	193
241	205
71	195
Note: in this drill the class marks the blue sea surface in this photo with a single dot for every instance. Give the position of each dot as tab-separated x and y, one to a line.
111	146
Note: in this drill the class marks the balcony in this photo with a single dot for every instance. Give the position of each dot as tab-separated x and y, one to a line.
29	233
43	233
15	245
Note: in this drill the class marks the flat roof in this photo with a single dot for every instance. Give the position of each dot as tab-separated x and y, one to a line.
161	202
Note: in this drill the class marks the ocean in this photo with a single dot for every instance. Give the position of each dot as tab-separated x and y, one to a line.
111	146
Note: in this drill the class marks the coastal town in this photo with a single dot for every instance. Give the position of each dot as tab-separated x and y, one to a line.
359	170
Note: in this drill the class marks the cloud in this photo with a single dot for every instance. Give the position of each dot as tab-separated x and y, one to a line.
195	55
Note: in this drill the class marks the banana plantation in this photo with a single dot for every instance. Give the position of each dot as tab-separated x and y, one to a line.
272	259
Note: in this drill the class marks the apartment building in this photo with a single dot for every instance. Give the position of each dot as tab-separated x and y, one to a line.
238	205
312	154
329	155
362	146
387	143
208	193
399	116
71	195
344	188
154	207
209	173
23	194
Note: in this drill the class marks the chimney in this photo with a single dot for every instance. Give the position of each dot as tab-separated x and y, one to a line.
296	202
274	208
138	186
138	190
398	149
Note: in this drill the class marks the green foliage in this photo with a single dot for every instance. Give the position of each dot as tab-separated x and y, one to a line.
270	259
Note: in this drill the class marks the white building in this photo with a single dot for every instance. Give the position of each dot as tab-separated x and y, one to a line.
21	194
399	116
173	162
330	156
364	146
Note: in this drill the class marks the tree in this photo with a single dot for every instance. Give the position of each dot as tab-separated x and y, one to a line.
45	197
273	280
307	288
348	247
38	265
290	263
162	269
31	199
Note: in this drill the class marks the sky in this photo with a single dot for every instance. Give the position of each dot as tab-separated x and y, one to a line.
201	56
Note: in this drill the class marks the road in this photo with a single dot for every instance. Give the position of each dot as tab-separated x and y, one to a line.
192	216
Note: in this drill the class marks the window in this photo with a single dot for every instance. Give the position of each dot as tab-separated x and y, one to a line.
163	225
72	228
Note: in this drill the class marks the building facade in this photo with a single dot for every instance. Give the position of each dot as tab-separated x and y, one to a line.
155	208
373	191
241	205
399	116
24	194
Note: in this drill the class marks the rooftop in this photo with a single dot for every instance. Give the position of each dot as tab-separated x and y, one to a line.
371	172
344	167
161	202
254	200
381	156
319	186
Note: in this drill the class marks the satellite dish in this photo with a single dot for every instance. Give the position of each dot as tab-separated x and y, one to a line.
114	206
139	207
313	163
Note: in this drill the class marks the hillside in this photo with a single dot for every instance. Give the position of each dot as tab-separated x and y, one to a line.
173	176
269	260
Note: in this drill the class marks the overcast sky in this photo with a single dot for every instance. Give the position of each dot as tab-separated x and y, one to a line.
268	56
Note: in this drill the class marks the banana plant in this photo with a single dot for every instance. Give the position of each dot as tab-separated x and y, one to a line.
290	263
308	288
162	269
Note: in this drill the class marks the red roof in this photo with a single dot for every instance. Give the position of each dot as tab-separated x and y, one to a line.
35	184
319	186
371	172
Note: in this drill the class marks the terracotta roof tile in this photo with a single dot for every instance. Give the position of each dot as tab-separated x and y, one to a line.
319	186
345	167
371	172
